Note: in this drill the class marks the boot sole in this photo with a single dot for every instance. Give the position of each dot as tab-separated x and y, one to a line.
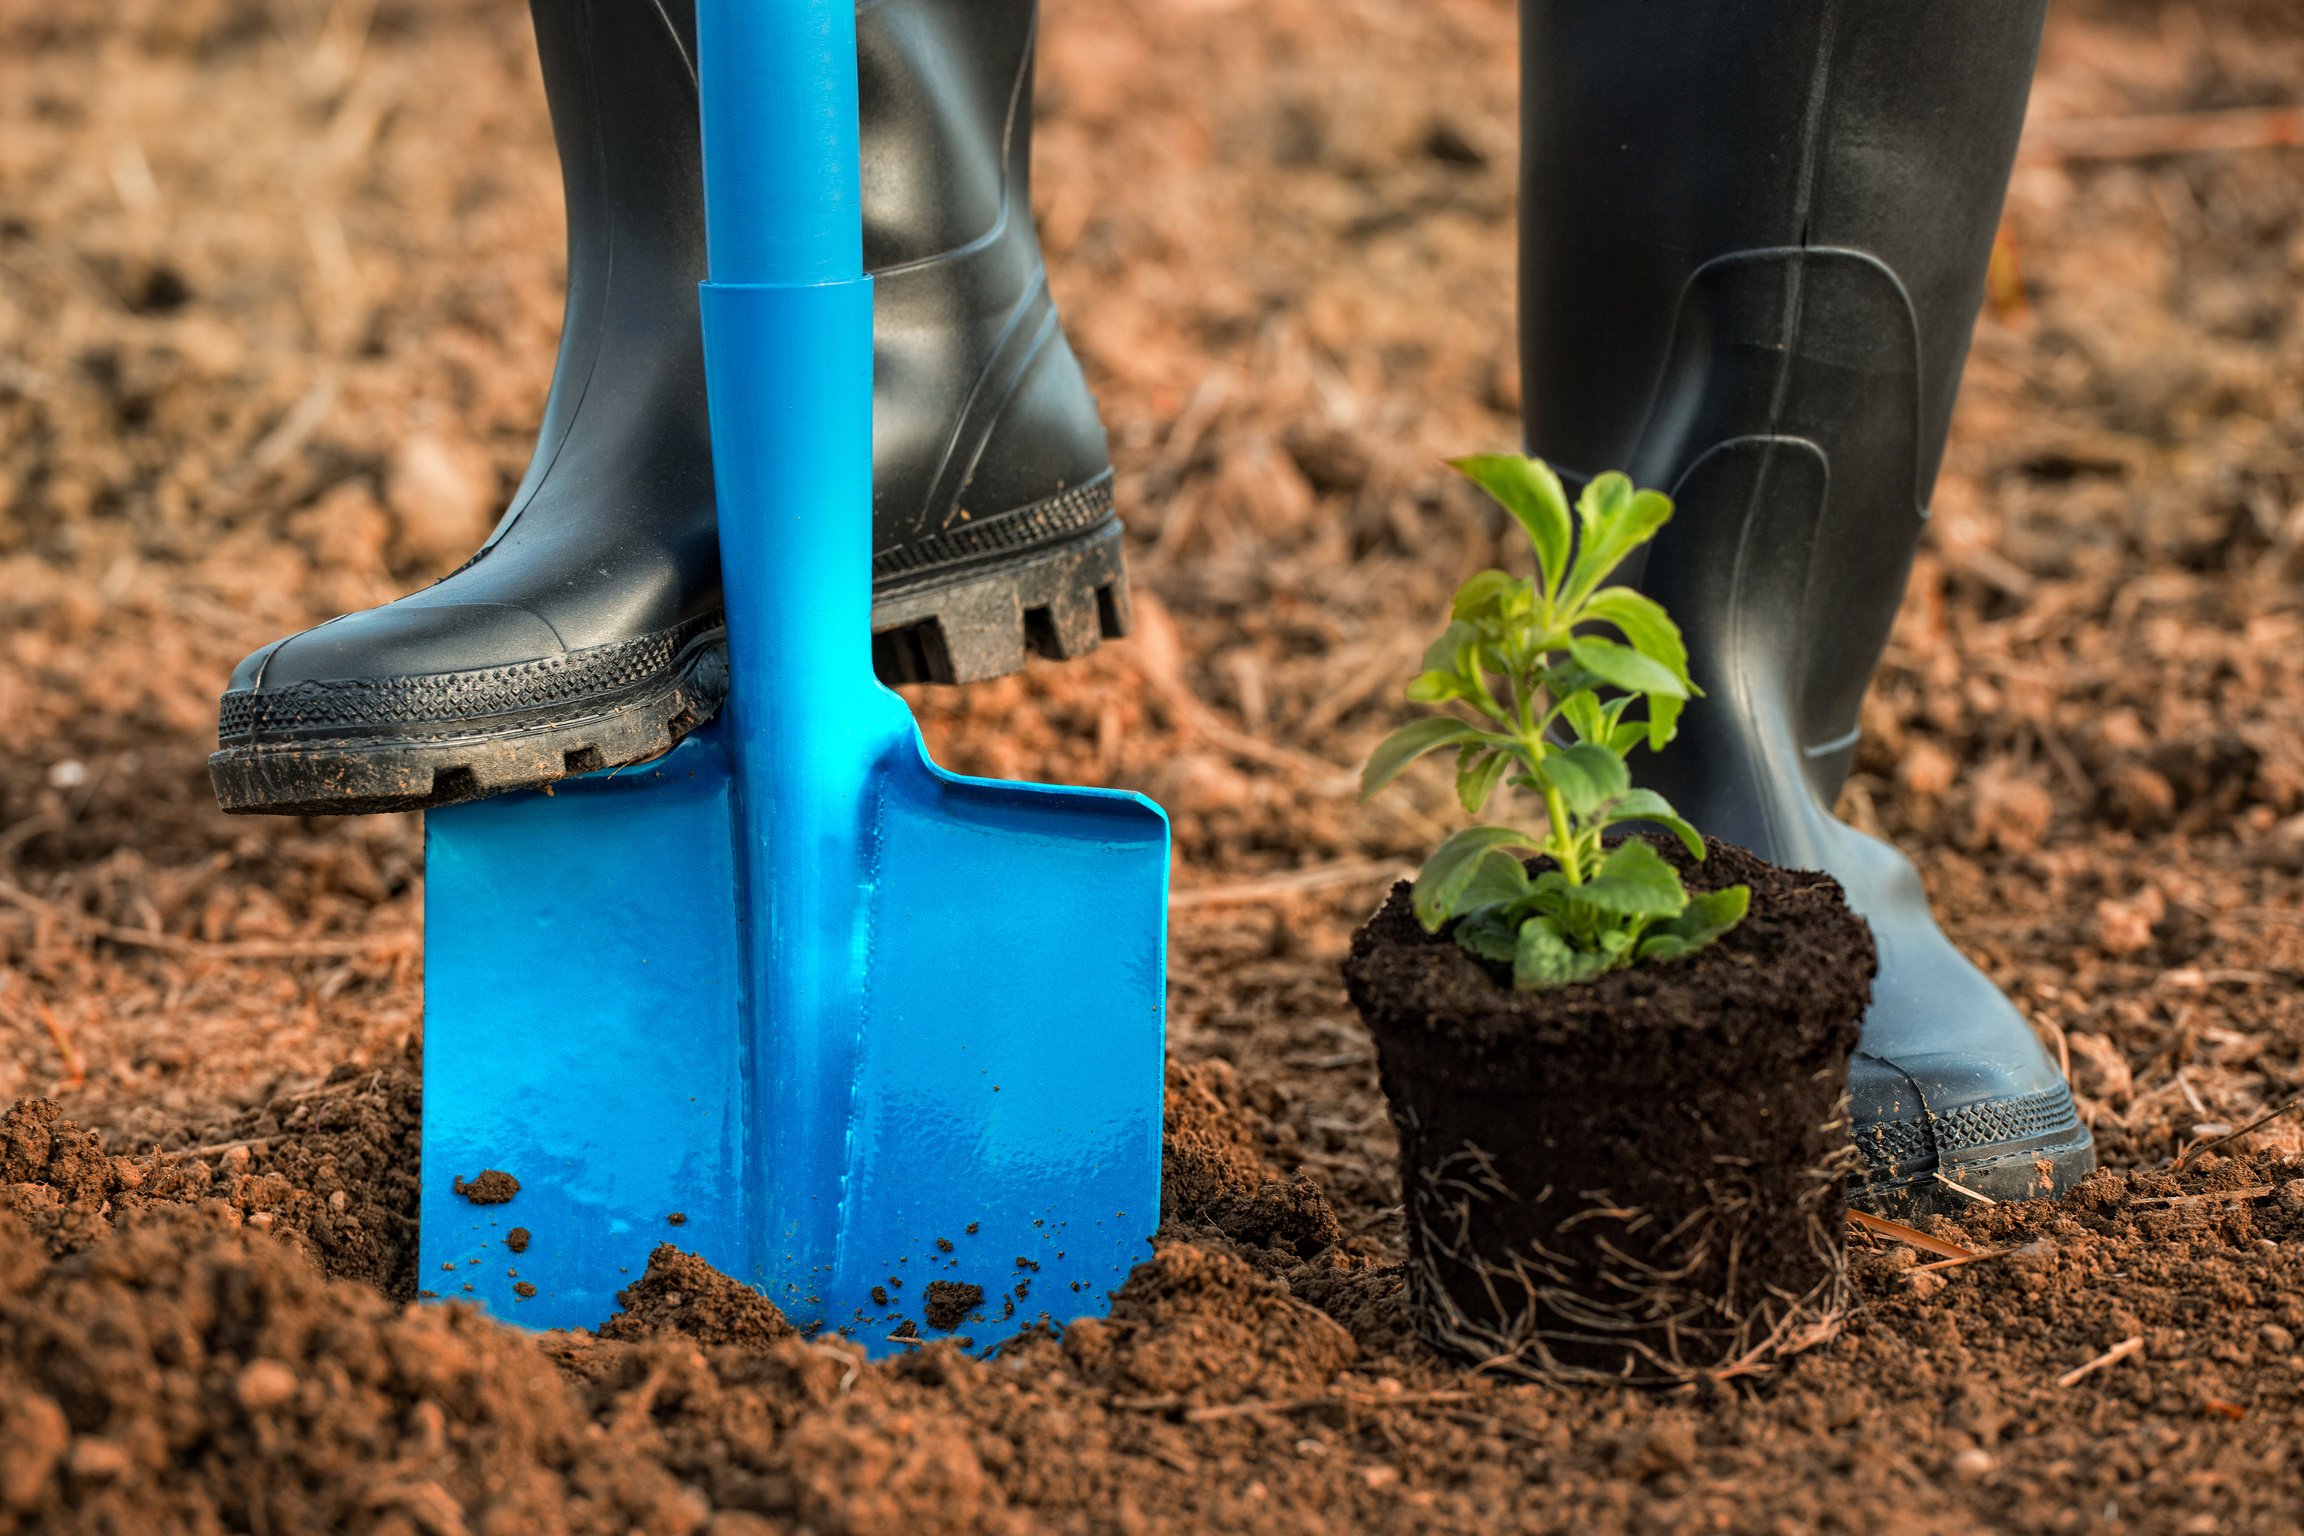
354	777
944	627
2012	1149
1061	602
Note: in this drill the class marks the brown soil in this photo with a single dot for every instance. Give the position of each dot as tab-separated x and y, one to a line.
279	294
946	1303
335	1177
1638	1178
493	1187
682	1294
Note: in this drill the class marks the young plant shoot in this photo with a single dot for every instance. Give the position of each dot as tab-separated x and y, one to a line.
1546	728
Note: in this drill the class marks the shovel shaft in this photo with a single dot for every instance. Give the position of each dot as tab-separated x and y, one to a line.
777	81
787	322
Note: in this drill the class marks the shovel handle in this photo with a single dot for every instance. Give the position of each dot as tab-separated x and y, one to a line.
787	317
777	82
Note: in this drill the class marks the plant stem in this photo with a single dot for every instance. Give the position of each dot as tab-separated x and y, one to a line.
1563	840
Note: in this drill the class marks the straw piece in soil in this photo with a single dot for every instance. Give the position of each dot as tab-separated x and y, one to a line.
1912	1235
2133	1344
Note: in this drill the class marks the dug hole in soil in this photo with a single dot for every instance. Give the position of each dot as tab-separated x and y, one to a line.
1638	1179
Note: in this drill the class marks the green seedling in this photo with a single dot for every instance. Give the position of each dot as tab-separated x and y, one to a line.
1548	728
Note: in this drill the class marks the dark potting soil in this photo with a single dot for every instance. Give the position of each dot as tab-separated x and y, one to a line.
1638	1177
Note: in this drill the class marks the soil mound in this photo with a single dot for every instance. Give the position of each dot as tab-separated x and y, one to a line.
1208	1143
683	1294
333	1172
1213	1174
1205	1326
187	1375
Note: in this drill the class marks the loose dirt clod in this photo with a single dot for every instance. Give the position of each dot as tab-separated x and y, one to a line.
681	1293
493	1187
947	1303
517	1240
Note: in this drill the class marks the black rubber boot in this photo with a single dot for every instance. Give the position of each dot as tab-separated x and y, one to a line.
586	633
1753	243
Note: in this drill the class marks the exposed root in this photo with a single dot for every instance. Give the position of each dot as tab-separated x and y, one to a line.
1669	1311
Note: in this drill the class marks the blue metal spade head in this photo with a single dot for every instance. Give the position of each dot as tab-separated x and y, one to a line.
792	997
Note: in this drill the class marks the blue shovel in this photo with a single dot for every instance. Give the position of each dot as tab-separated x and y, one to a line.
881	1040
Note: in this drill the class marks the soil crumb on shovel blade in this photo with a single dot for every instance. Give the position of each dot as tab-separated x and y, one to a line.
493	1187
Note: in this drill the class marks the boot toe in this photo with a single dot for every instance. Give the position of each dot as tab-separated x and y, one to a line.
405	640
1951	1094
1936	1132
250	672
407	666
416	704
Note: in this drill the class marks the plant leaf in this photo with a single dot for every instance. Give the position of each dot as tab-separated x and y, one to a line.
1663	721
1647	805
1440	884
1437	688
1584	716
1646	625
1587	775
1499	878
1479	593
1616	520
1542	958
1626	667
1446	653
1490	932
1604	499
1531	492
1474	785
1567	680
1635	882
1705	919
1396	751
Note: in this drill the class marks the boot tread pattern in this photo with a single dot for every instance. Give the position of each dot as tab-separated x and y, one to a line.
1043	522
460	696
1891	1143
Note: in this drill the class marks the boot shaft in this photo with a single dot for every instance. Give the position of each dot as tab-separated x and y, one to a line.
980	409
1753	243
945	90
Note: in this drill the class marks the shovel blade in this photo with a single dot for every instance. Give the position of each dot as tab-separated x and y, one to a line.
1006	1134
582	1033
585	1033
